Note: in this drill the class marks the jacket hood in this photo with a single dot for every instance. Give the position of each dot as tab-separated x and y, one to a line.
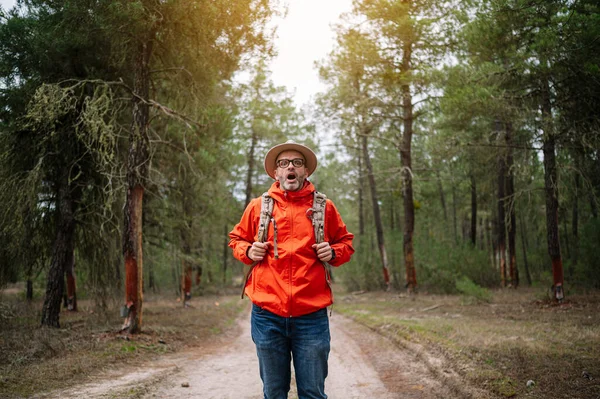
280	195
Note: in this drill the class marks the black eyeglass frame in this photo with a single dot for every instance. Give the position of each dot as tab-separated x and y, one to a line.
284	163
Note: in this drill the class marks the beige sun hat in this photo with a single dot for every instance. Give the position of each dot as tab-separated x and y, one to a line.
309	156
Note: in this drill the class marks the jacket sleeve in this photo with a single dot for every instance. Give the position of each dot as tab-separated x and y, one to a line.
338	236
243	234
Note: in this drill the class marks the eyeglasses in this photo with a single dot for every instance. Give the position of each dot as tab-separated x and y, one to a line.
297	162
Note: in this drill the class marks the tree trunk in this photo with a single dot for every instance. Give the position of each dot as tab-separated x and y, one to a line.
186	265
186	240
473	211
186	282
481	234
253	141
454	217
512	247
575	224
501	233
551	191
29	294
137	174
524	246
376	213
442	196
489	242
512	219
361	183
562	215
405	156
71	285
61	256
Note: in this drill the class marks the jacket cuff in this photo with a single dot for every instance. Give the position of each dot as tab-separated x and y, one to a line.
244	257
335	261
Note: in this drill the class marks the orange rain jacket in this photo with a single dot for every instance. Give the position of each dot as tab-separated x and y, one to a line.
295	284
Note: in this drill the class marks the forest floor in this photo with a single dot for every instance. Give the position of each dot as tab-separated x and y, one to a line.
384	345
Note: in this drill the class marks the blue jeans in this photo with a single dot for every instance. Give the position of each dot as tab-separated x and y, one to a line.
278	340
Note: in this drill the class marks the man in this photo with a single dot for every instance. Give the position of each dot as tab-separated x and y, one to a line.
290	292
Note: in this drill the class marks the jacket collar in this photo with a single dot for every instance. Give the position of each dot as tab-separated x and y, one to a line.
280	195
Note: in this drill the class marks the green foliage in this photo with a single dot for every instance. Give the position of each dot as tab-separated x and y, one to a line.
587	272
442	264
468	288
363	272
265	116
66	73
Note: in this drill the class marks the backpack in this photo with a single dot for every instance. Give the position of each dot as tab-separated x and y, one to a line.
316	214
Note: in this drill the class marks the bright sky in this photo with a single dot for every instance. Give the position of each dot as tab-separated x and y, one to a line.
303	37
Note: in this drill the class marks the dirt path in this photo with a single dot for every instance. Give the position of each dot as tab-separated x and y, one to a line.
362	365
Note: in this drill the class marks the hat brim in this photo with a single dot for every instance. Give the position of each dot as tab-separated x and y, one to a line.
309	157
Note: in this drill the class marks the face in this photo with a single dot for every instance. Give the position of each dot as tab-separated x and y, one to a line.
291	178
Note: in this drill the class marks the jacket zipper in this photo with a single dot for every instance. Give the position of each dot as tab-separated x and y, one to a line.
290	221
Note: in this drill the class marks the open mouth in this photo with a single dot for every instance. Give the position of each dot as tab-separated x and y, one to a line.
291	176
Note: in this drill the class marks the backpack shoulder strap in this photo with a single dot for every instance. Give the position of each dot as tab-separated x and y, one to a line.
266	212
318	216
318	221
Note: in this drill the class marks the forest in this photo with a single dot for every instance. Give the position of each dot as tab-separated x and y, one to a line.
459	140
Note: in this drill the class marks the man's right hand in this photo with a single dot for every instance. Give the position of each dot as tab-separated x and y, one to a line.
258	250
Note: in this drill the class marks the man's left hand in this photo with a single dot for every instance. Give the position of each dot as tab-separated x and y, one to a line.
323	251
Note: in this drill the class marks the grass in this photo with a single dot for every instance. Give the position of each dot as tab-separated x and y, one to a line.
499	343
34	360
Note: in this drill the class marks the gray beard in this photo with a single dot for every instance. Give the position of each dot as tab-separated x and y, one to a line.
287	187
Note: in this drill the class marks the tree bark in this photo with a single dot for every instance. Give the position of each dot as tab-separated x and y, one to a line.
71	283
562	215
137	175
575	223
376	212
406	160
442	196
63	246
454	217
501	233
473	211
551	194
481	234
186	282
29	294
361	184
524	246
512	247
510	203
186	241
